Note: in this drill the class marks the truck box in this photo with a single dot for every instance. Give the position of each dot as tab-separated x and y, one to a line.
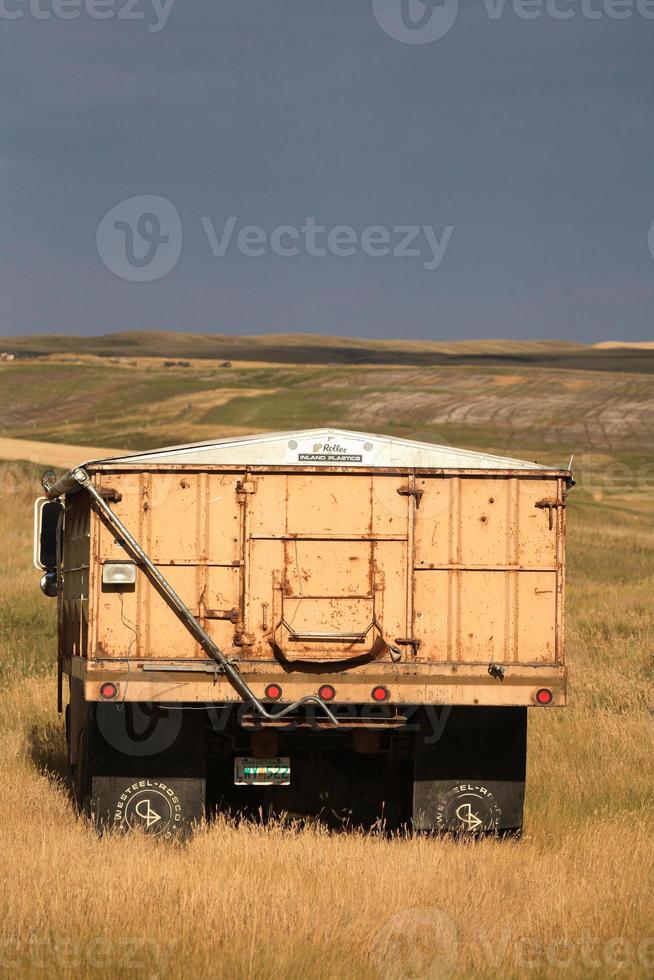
355	569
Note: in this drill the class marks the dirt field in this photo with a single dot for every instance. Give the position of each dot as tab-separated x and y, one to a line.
54	454
531	412
573	897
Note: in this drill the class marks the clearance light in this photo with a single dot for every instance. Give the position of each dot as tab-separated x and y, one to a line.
380	694
544	696
273	692
108	691
326	692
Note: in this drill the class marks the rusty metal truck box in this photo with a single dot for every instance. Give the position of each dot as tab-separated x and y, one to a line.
321	564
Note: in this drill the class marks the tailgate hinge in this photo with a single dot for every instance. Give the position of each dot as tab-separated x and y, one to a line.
551	504
406	641
110	494
411	492
246	486
231	615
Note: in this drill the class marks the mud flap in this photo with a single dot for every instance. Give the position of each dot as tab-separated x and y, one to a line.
147	768
165	808
471	779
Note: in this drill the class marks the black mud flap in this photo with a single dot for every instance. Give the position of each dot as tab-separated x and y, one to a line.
470	778
165	808
146	768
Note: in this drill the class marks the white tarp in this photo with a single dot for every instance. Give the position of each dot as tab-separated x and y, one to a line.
329	447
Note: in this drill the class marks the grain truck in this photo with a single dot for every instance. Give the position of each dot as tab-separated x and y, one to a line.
320	622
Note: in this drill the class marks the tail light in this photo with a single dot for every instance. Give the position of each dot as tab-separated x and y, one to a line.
326	692
380	694
273	692
544	696
108	691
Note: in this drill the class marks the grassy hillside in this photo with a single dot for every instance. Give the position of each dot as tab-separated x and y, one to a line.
314	349
606	419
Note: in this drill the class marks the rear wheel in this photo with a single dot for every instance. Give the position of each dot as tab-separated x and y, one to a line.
87	760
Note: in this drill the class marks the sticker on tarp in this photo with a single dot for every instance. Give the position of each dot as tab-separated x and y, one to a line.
332	451
262	772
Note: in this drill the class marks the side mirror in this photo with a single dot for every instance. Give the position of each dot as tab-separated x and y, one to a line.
48	584
47	525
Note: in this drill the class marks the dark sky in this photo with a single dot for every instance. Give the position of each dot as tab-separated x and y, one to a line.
525	146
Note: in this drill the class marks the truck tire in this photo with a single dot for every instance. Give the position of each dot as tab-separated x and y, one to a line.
87	760
470	779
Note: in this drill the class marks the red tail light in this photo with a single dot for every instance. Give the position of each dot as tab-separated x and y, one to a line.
326	692
273	692
108	691
544	696
380	694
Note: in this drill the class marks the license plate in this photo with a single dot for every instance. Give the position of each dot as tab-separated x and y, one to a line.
261	772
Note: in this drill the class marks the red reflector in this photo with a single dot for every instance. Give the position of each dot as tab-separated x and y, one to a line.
326	692
108	691
380	693
544	696
273	692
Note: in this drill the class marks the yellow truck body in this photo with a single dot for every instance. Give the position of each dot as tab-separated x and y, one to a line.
316	558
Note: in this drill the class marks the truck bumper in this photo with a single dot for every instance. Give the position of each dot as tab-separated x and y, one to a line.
169	681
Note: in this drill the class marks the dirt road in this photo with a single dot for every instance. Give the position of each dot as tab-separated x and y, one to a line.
53	453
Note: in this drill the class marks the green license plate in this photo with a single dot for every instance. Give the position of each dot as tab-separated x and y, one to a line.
261	772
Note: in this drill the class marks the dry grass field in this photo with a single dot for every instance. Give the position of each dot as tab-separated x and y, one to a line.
574	897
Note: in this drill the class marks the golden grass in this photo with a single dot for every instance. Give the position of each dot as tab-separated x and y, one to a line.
574	894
